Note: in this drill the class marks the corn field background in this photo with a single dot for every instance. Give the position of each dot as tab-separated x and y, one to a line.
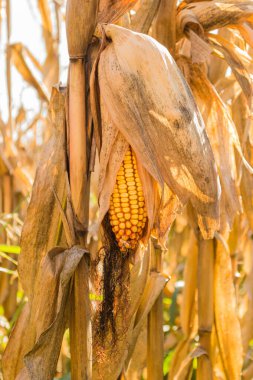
181	305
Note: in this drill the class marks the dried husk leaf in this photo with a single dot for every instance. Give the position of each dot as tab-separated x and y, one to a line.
48	314
112	10
41	228
166	131
226	320
221	132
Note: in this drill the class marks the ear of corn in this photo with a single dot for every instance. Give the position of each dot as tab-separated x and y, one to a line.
127	212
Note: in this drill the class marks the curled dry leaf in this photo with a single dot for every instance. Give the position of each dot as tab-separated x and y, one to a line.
149	102
213	14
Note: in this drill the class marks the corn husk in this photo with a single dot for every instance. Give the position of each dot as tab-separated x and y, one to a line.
166	130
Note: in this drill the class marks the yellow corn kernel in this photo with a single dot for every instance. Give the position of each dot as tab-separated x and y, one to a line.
122	185
127	213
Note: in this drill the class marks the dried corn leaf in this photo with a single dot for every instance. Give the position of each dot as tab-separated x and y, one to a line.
47	27
246	32
243	122
138	358
186	365
50	68
234	60
48	315
19	58
41	227
166	130
154	286
226	320
112	10
221	132
15	350
213	14
181	353
247	319
188	310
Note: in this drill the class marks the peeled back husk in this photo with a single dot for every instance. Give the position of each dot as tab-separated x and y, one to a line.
149	102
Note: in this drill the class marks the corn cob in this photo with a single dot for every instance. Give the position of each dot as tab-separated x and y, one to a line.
127	212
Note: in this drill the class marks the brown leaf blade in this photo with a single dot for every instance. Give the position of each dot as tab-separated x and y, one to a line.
39	233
